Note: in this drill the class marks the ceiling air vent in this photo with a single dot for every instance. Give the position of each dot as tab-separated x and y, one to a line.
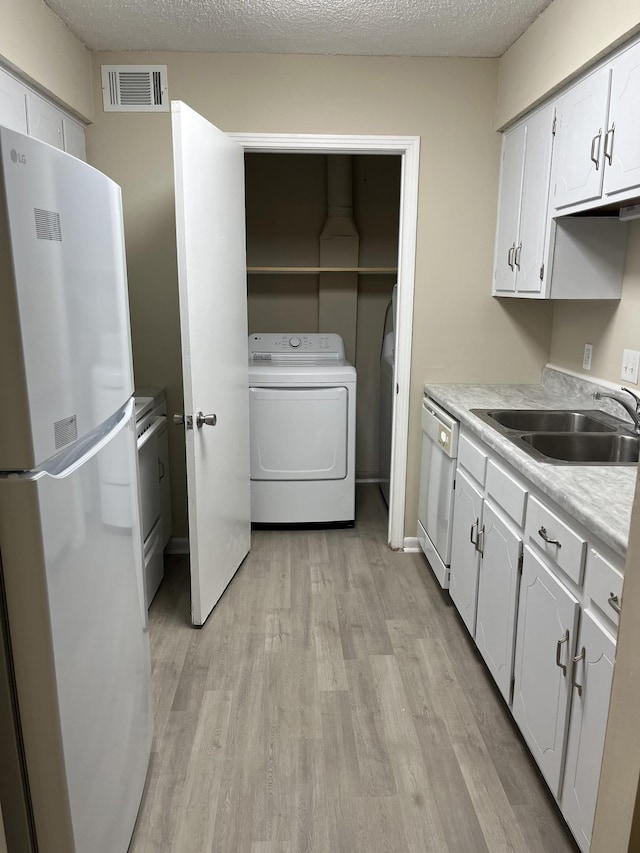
135	88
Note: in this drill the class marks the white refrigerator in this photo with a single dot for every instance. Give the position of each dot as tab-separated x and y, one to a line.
75	704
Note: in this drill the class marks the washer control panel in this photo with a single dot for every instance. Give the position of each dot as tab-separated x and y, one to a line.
263	347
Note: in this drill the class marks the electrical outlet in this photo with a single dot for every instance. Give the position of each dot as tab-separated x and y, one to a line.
586	358
630	360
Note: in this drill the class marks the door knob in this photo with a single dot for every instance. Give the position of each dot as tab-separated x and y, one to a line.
209	420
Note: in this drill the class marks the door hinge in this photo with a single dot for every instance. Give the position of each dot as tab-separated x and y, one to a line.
554	125
520	563
541	272
512	689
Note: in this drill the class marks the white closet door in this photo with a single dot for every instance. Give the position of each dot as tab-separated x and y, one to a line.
212	285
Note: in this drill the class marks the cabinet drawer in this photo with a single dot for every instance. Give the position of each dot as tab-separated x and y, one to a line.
507	492
603	584
565	548
472	458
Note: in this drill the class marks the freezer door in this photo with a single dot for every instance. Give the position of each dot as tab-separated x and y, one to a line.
65	349
73	583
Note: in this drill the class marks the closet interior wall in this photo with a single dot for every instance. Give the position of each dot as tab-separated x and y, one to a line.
286	204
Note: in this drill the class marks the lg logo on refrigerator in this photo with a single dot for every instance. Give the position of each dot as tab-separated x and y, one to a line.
18	158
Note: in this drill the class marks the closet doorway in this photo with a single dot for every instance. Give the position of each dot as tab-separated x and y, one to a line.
406	151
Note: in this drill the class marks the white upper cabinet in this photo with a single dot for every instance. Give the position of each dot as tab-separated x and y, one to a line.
622	141
580	135
44	121
513	147
24	110
13	112
74	138
597	151
522	208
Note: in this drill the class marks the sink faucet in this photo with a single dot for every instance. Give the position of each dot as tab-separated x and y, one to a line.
632	408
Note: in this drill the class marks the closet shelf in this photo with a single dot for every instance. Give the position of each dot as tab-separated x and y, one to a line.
316	270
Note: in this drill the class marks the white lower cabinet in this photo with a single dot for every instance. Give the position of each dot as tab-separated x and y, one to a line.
498	597
592	673
547	623
465	556
541	597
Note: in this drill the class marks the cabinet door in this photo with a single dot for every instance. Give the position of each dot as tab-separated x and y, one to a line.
13	109
547	622
579	146
74	138
467	521
513	147
529	253
45	121
585	743
622	168
498	597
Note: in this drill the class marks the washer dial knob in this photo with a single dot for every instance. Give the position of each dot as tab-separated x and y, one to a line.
294	342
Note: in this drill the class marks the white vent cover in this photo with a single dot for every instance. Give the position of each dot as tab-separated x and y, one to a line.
135	88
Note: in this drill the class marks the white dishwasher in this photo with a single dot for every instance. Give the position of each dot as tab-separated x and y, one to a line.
437	482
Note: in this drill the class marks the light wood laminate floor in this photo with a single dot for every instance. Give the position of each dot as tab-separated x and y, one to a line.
333	702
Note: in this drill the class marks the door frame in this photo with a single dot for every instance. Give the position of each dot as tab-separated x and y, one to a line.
408	147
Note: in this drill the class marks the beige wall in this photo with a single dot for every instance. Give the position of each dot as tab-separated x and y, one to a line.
609	326
37	44
568	36
460	334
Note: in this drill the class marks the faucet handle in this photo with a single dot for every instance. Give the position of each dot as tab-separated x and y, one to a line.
633	394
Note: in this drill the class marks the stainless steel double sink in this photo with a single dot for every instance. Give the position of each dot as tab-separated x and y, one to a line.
567	436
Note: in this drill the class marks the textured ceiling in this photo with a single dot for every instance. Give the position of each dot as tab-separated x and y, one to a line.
357	27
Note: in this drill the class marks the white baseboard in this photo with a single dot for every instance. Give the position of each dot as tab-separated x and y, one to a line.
411	544
177	546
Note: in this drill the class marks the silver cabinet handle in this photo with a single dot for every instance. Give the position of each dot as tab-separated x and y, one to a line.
517	255
608	149
209	420
575	663
472	539
559	645
160	470
614	602
543	533
596	141
510	255
480	542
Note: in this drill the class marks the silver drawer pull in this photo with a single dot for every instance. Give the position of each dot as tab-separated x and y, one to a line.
474	539
614	602
559	645
576	661
543	533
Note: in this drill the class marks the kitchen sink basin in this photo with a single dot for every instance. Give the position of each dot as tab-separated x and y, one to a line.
585	448
567	436
551	420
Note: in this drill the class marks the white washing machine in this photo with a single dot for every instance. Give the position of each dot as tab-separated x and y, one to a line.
302	403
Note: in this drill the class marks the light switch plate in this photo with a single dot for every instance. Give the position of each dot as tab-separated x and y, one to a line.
630	360
586	358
